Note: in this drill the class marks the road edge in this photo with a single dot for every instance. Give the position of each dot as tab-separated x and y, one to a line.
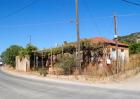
39	78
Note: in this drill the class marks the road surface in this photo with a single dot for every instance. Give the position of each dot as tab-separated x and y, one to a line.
12	87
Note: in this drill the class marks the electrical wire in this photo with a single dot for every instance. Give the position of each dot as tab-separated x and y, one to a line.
19	10
91	16
37	24
111	16
70	21
127	15
132	3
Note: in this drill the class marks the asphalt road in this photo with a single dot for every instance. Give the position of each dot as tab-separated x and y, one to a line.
12	87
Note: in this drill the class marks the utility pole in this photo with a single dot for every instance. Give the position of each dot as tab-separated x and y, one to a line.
34	60
62	50
116	40
78	36
51	58
42	60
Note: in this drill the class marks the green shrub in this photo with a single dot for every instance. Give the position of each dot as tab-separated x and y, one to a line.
134	48
66	63
9	55
43	71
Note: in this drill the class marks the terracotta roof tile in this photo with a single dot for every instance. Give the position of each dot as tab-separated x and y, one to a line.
104	40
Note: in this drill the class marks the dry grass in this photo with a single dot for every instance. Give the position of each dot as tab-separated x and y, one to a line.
93	72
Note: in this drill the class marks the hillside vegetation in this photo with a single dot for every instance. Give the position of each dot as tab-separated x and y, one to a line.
131	40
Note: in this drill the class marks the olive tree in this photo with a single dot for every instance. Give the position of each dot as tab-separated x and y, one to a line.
9	55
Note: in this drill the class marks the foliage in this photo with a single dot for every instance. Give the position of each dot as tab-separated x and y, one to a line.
68	48
135	48
10	54
27	51
66	63
30	48
56	50
23	52
129	39
85	45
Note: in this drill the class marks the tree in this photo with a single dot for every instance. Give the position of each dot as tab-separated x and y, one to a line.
30	48
28	51
9	55
134	48
23	52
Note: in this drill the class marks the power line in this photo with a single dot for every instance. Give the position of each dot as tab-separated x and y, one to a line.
91	16
120	15
37	24
132	3
19	10
69	21
127	15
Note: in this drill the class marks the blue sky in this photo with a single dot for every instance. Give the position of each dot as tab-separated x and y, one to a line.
48	21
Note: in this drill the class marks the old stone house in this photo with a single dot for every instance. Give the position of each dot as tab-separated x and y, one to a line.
110	49
40	59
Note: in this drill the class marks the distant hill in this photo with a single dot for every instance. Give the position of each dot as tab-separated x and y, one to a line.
129	39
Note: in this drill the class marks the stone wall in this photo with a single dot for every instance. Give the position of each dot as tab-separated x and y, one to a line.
22	64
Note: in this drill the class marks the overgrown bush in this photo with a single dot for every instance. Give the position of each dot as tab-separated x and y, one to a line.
43	71
66	63
134	48
9	55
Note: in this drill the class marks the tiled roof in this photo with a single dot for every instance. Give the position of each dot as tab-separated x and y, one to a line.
104	40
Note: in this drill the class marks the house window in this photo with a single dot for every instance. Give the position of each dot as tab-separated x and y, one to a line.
113	49
122	50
